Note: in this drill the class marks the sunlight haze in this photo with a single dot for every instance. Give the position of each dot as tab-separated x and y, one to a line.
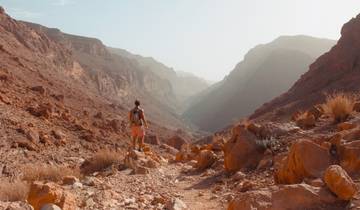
204	37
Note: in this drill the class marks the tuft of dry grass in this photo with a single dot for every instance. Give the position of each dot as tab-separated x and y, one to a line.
13	191
54	173
339	106
100	161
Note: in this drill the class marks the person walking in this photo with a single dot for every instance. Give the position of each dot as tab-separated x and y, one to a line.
138	124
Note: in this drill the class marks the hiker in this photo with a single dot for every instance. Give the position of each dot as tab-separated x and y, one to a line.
137	122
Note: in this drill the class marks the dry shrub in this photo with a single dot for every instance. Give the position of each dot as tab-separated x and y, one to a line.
100	161
339	106
55	173
13	191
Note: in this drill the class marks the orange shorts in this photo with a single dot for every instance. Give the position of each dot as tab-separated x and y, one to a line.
137	131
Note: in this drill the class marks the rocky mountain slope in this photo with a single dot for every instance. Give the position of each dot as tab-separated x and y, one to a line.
336	70
266	71
185	85
115	77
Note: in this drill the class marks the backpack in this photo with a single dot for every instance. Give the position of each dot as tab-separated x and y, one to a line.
136	117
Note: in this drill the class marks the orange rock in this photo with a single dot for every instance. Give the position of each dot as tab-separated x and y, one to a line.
242	151
345	126
41	194
349	155
339	182
205	159
305	160
298	196
306	120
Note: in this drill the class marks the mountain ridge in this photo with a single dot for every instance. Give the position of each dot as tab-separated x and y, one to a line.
237	91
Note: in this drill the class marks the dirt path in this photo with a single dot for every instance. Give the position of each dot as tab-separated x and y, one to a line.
123	190
194	190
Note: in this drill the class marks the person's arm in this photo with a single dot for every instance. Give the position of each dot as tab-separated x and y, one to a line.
144	119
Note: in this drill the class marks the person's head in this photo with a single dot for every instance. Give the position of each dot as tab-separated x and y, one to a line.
137	103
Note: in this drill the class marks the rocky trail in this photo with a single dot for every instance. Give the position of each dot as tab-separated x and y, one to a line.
64	141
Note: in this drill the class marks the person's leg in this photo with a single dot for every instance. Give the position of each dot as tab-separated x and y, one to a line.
141	142
133	137
141	137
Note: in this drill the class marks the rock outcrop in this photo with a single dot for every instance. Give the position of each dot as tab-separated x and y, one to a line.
41	194
305	160
339	182
242	150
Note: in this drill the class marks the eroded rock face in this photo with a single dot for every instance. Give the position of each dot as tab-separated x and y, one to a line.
305	160
41	194
290	197
339	182
242	151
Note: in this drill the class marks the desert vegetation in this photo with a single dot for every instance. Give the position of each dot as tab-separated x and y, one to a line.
339	106
55	173
13	191
100	161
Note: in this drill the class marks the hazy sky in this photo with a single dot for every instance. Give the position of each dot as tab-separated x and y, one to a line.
205	37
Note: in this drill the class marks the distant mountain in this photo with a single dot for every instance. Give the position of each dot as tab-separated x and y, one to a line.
336	70
266	71
184	84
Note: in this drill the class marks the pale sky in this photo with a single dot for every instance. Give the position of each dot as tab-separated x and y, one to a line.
205	37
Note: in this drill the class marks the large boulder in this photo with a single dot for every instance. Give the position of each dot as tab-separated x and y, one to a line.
41	194
205	159
289	197
339	182
305	160
349	155
176	142
242	150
